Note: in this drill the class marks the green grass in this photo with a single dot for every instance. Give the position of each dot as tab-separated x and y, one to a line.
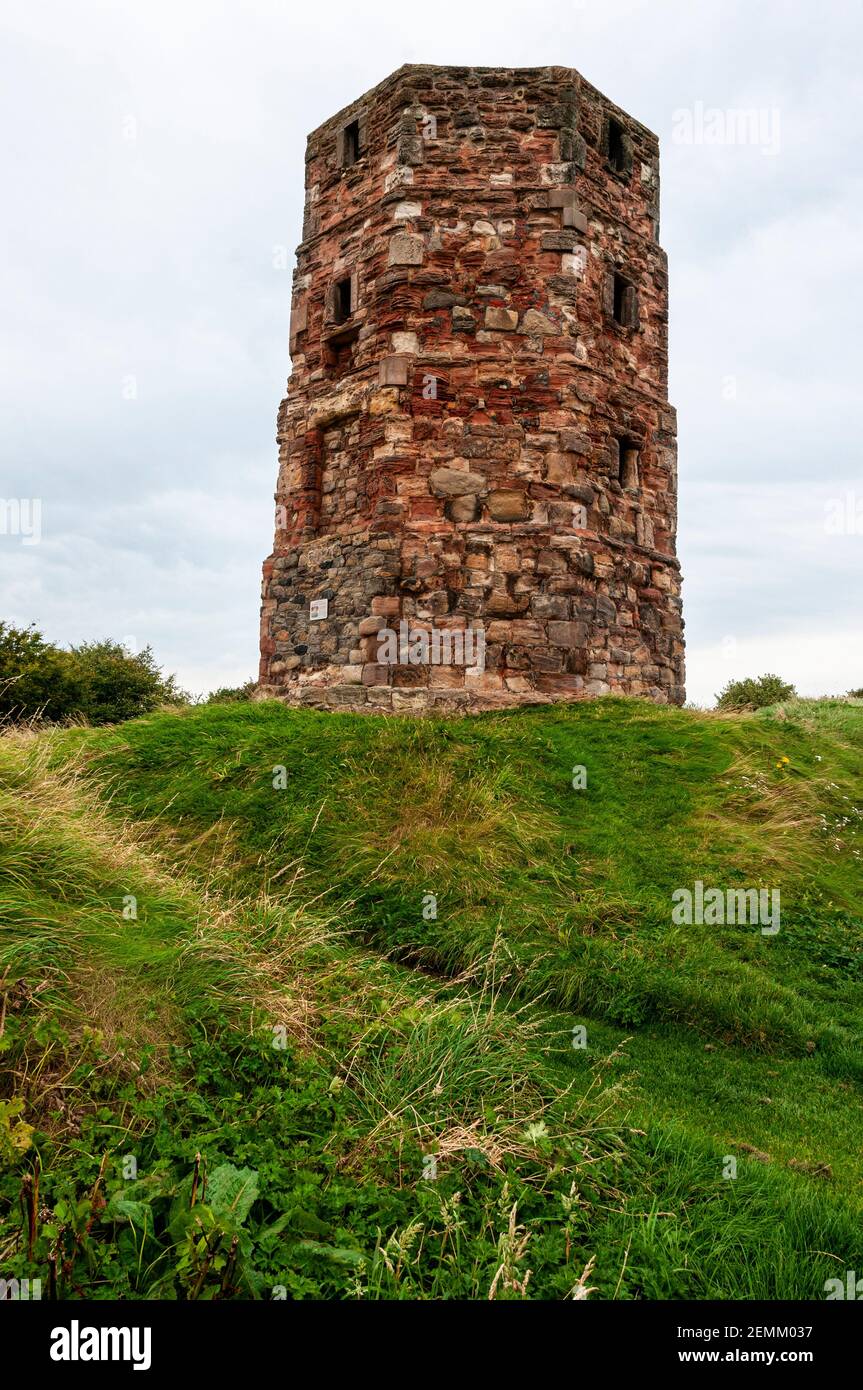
384	1092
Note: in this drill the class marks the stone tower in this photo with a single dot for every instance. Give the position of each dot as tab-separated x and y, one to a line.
476	501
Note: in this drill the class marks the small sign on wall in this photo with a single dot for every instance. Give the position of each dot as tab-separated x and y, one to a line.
318	609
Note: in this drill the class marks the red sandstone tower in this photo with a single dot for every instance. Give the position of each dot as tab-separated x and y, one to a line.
476	439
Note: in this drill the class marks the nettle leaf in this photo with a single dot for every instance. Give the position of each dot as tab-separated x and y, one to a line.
127	1209
143	1190
268	1235
307	1221
340	1254
231	1192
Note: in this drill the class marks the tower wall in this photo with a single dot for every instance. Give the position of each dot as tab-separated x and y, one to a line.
476	433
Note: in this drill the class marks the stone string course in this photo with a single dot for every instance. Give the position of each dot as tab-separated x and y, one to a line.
476	430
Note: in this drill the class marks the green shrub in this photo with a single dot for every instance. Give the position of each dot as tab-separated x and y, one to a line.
856	694
118	684
754	694
99	682
35	676
231	694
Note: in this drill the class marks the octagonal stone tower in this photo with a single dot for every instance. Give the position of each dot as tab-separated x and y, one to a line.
476	501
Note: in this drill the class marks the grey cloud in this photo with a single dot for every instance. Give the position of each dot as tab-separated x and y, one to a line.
155	161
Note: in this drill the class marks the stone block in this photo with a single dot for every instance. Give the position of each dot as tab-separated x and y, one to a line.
568	634
534	322
462	509
394	370
406	248
575	218
389	607
504	504
455	482
564	240
560	468
504	320
374	674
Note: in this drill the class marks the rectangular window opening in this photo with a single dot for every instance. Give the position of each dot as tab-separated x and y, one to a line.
342	306
620	287
624	302
614	147
351	146
628	474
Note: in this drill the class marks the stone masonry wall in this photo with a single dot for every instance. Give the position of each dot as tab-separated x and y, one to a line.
476	432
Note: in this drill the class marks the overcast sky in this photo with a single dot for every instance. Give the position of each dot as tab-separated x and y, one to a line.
153	176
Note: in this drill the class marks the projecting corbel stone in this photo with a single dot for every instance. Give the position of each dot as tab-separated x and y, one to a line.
574	217
566	200
563	197
394	370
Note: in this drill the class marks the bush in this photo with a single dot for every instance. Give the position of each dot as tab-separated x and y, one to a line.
231	694
856	694
35	677
99	682
754	694
118	685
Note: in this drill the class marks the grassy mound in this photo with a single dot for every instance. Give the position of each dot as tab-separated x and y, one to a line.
317	1005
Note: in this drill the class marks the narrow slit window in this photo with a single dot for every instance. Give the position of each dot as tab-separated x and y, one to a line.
343	300
628	475
625	302
351	146
620	286
614	147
